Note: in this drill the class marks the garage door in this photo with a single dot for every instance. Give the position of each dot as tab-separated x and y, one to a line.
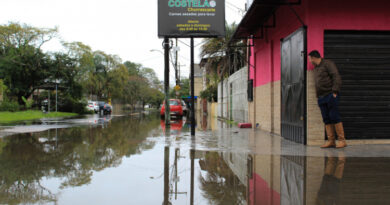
363	59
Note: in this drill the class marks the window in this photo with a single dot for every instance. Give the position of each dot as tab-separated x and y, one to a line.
173	102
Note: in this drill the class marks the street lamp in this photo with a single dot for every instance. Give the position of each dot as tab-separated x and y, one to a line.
155	50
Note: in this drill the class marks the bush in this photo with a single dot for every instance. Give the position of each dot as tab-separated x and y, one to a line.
211	93
69	104
9	106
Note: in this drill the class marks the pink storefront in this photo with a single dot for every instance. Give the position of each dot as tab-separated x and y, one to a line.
355	34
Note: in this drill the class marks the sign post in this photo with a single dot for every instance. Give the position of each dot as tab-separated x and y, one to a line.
192	89
166	83
190	19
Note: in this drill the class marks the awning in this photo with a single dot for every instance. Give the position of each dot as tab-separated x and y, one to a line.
257	16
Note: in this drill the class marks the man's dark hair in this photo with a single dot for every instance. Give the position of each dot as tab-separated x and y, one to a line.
315	54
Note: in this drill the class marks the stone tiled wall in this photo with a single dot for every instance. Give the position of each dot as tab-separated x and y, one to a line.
265	108
315	126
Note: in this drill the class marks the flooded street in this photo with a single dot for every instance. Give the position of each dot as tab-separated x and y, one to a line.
137	160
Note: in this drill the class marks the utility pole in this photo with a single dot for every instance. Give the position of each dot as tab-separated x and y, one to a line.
176	68
166	82
192	89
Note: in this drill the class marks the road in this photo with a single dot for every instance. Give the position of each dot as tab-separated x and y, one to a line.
138	160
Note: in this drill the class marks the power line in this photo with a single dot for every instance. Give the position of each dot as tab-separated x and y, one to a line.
238	8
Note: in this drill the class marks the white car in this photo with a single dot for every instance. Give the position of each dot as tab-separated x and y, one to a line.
93	106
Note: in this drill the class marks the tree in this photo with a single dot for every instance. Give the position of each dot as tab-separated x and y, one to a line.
184	88
119	78
222	56
23	65
151	77
67	73
133	68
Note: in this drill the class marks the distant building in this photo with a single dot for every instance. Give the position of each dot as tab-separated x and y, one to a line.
198	80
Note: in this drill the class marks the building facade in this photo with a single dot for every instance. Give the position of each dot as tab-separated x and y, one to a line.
355	34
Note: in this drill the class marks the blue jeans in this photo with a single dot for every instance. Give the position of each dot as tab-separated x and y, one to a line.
329	106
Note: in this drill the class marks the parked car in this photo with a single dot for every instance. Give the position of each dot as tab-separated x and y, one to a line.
105	108
93	106
185	108
176	108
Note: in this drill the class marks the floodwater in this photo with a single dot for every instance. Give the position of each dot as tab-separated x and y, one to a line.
138	160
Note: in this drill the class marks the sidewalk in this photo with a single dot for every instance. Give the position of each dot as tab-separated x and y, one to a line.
263	143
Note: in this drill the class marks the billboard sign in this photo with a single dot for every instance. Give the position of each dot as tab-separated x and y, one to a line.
191	18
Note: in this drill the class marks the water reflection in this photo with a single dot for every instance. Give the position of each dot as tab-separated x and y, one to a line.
70	154
329	192
138	160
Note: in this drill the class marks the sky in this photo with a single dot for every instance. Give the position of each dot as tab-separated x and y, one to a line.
127	28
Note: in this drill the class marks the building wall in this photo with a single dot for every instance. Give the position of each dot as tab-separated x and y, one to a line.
265	58
239	105
360	15
198	85
318	16
265	110
223	99
240	95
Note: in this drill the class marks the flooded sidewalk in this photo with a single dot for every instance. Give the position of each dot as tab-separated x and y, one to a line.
139	160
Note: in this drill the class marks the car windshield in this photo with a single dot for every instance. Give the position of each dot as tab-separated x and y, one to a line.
173	102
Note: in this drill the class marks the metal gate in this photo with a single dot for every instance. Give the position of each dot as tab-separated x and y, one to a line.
293	87
363	60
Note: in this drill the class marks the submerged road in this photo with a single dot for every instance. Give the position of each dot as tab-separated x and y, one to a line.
138	160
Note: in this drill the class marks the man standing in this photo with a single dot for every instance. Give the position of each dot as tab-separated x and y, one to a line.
328	83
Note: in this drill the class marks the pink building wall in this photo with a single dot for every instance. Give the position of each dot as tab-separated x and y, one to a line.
318	15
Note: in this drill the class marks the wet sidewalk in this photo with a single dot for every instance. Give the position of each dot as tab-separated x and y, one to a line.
138	160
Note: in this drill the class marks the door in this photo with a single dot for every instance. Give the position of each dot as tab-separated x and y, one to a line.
293	87
363	60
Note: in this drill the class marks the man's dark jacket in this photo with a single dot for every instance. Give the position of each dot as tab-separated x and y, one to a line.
327	78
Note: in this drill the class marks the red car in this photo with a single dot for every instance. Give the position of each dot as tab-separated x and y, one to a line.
176	109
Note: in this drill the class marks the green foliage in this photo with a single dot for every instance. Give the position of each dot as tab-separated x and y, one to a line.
9	105
77	72
222	57
184	88
211	93
28	103
7	117
23	65
133	68
68	103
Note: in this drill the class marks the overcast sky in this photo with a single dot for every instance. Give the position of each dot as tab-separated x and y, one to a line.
127	28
